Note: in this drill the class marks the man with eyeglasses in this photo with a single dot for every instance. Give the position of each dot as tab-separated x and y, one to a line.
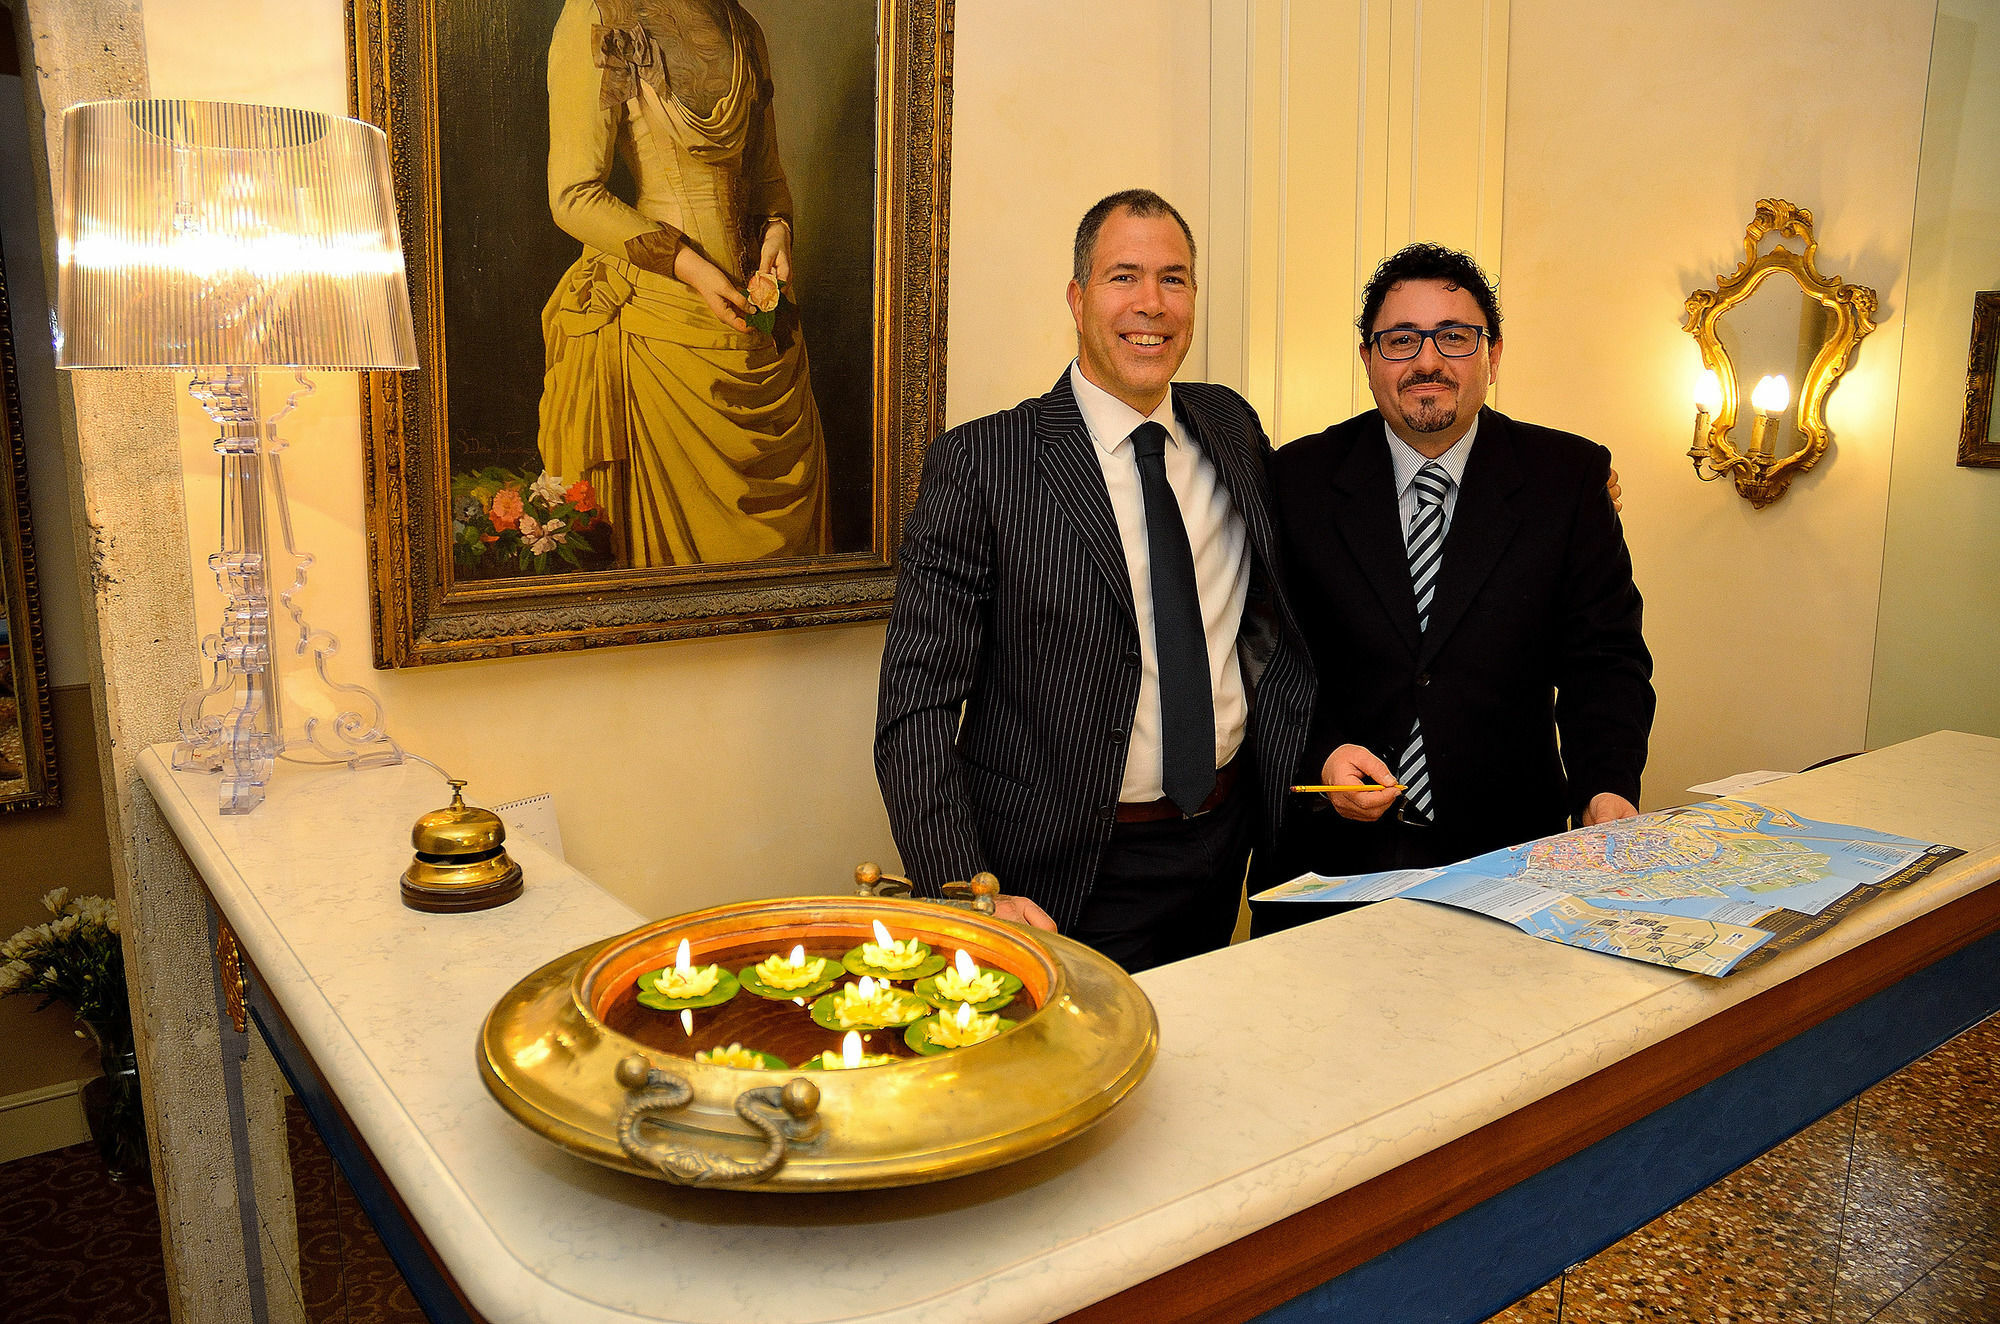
1464	587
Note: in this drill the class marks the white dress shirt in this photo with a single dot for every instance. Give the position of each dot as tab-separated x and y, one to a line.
1221	571
1407	461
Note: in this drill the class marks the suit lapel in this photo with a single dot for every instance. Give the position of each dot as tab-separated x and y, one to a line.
1068	463
1239	470
1365	513
1482	524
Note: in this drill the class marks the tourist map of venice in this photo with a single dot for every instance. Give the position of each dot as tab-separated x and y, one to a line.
1697	888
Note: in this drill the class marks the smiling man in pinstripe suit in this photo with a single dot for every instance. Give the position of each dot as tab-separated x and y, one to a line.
1092	685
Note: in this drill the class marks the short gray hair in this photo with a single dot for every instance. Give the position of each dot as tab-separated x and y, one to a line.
1141	202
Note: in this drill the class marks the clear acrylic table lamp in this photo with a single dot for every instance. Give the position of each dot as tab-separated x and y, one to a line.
222	239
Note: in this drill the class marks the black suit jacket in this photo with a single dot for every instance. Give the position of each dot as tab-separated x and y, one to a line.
1014	605
1534	631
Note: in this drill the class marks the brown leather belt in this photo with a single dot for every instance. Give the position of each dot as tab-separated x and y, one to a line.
1154	811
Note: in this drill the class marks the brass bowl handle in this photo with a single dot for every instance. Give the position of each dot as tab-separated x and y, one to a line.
784	1114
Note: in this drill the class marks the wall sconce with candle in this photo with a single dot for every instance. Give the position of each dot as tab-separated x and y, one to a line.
1813	335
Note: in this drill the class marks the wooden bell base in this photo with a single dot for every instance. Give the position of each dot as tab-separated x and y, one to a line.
453	899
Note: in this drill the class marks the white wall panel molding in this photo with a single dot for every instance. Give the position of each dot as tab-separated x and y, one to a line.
1342	130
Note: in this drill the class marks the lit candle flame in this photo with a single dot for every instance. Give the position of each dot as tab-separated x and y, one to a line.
798	957
1772	395
681	962
881	934
867	989
964	1014
687	1022
850	1049
1708	392
966	968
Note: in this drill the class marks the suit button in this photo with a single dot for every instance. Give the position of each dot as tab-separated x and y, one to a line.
1423	679
1117	736
1130	658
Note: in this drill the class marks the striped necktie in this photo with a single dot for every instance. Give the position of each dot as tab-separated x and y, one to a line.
1426	551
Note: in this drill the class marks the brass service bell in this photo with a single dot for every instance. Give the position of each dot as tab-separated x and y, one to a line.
462	863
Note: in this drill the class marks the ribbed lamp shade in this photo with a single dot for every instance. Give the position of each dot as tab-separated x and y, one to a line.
211	234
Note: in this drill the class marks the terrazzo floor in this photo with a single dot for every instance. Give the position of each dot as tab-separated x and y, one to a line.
1885	1210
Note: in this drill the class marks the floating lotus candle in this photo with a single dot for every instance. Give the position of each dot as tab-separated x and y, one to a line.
685	984
790	977
868	1005
736	1055
889	957
964	982
954	1029
848	1058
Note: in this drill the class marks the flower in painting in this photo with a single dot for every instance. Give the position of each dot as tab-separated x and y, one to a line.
548	489
762	292
543	538
582	496
505	512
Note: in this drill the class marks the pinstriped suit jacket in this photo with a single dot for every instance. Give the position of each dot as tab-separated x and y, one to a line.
1014	606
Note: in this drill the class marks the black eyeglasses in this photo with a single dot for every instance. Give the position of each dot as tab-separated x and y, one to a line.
1454	342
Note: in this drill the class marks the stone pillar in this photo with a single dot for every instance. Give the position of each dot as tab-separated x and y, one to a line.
122	450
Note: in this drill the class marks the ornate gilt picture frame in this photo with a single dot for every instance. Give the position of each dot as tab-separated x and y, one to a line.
1978	447
27	729
688	479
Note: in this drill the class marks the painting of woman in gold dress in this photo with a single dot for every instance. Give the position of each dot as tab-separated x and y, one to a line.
694	433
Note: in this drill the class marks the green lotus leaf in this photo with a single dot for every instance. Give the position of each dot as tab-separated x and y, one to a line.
918	1036
908	1007
926	989
930	965
650	996
747	976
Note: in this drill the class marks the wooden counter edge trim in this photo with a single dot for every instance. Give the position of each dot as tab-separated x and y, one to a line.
1276	1263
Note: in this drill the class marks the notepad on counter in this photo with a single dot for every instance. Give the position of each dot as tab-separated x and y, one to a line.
1742	781
533	817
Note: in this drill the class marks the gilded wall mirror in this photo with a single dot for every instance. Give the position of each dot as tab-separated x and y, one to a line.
27	737
1773	317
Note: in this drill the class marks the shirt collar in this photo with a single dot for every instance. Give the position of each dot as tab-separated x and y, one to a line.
1407	461
1110	419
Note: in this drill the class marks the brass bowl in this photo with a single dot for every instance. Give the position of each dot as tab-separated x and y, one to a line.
549	1057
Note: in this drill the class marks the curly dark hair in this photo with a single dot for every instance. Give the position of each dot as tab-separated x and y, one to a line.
1428	262
1141	202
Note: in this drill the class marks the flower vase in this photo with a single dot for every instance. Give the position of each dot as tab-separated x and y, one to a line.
111	1109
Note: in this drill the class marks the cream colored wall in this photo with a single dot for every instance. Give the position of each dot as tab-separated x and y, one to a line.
1639	140
692	773
1936	662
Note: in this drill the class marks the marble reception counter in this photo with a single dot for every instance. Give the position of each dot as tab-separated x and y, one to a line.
1320	1095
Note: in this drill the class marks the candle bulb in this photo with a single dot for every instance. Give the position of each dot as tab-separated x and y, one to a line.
799	957
1770	398
681	961
850	1049
966	968
1707	401
881	934
964	1014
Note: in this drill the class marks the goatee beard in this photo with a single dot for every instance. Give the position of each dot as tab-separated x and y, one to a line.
1432	417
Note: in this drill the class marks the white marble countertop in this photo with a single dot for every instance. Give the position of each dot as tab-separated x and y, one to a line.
1415	1024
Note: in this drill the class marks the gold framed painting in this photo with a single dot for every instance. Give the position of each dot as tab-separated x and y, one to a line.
678	271
1979	432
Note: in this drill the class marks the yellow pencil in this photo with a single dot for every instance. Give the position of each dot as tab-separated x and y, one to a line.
1320	789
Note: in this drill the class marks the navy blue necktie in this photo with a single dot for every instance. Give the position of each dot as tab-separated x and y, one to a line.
1187	702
